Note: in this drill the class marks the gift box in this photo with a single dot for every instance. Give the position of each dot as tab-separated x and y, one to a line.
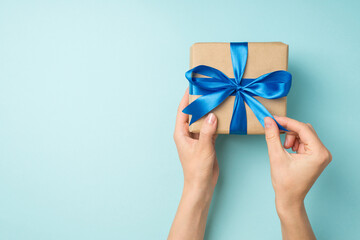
260	70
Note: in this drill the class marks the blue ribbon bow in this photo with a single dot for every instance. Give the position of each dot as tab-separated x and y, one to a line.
216	87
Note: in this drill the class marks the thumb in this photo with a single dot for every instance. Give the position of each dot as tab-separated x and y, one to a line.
272	135
208	130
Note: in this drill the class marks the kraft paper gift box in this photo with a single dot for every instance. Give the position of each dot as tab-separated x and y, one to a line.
262	58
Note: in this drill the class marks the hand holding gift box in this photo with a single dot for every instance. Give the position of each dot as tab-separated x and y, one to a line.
242	83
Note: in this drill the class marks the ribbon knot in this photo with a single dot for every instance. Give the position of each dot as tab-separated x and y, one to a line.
216	87
239	88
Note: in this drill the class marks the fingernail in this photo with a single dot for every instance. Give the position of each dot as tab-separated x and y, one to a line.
285	143
211	118
268	122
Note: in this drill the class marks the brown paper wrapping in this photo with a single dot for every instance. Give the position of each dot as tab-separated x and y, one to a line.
262	58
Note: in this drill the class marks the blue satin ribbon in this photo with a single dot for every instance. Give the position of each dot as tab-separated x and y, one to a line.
216	87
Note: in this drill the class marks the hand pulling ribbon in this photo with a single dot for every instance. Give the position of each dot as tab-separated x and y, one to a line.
216	87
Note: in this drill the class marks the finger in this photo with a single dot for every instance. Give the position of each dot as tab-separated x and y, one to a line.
312	129
304	132
295	148
301	148
289	140
208	130
182	119
272	136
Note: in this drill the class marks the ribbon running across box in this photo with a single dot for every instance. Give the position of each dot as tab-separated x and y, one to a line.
215	87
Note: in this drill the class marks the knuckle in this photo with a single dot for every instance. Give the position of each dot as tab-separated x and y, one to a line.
328	156
305	128
324	156
304	125
270	137
311	127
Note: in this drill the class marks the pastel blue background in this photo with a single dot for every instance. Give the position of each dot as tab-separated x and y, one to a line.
88	98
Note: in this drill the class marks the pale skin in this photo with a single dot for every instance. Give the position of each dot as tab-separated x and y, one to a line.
292	174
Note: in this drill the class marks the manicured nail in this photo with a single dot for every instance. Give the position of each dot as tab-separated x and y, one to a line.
268	122
211	118
285	143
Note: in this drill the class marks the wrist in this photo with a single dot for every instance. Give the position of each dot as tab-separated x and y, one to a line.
289	208
198	192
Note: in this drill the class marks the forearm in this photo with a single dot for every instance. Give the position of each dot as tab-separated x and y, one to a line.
295	223
190	219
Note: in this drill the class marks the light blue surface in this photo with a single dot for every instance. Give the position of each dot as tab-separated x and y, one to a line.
88	97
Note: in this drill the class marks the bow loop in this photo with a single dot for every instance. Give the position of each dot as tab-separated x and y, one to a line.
271	85
214	79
